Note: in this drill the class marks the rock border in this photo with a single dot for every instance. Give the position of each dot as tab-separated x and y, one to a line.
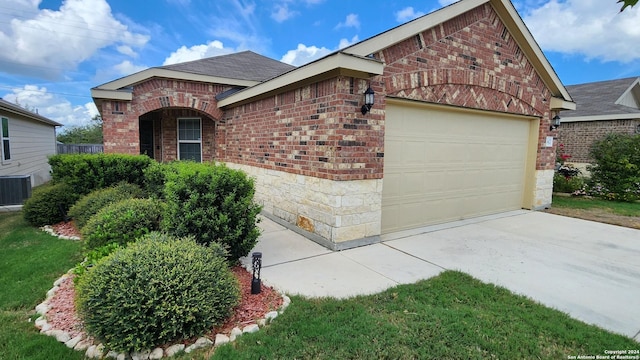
96	350
49	230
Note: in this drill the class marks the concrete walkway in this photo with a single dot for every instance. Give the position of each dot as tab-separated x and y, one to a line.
589	270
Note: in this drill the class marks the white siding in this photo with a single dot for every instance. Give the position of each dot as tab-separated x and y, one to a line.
31	144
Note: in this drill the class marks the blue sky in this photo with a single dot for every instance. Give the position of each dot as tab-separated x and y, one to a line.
55	51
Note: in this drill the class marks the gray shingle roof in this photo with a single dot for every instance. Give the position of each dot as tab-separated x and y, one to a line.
7	106
245	65
598	98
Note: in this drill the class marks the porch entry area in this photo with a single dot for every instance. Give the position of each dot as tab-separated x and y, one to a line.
177	134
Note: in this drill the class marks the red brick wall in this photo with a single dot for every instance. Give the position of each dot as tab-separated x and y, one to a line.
470	61
577	137
175	98
315	130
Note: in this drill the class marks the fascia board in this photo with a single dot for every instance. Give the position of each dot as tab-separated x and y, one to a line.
601	117
171	74
332	62
562	104
111	94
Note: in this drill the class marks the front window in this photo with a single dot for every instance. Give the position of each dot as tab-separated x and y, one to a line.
190	139
6	148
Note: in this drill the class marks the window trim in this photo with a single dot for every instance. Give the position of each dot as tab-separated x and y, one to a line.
4	138
199	141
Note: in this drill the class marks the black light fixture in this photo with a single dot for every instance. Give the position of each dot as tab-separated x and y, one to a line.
368	100
555	122
256	264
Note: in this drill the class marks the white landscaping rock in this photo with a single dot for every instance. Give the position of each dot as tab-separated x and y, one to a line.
285	303
156	354
270	316
250	329
142	355
174	349
235	332
262	322
122	357
200	343
221	339
73	342
61	336
112	355
60	280
83	345
40	322
93	352
46	327
42	308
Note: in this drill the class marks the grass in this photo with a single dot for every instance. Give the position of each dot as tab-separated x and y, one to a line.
619	208
30	261
452	316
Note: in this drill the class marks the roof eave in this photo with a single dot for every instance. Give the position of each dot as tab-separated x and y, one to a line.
631	116
356	66
30	115
144	75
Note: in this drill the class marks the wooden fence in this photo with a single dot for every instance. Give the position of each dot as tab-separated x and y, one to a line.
80	148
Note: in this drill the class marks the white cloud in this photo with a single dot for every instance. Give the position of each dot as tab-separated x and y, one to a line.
407	14
346	42
44	43
304	54
52	106
126	50
126	68
282	13
592	28
197	52
350	21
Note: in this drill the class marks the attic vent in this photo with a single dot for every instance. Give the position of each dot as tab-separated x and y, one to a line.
419	41
164	101
504	34
203	106
14	190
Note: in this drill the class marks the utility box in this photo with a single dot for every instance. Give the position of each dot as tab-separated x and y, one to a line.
14	190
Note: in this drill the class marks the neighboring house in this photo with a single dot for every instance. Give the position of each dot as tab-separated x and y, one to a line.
27	141
460	125
602	107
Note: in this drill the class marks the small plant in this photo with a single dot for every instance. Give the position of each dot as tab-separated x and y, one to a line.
92	259
91	203
567	184
122	222
49	204
157	290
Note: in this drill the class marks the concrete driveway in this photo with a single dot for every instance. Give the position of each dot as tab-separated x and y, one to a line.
589	270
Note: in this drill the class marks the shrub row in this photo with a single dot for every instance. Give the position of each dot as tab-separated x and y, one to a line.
86	172
93	202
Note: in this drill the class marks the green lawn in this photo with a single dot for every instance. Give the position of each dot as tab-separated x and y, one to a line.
30	261
620	208
452	316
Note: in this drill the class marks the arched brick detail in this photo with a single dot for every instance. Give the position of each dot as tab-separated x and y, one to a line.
156	94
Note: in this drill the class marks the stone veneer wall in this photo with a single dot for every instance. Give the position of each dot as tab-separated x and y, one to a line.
543	190
337	211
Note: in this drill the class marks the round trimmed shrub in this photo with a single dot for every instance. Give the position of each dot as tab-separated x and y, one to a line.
157	290
122	222
48	204
93	202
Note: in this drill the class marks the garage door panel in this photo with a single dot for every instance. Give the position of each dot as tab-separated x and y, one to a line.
443	166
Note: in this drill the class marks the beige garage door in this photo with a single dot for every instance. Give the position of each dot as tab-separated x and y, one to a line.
443	164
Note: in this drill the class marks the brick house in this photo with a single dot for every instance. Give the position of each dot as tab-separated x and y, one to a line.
460	125
603	107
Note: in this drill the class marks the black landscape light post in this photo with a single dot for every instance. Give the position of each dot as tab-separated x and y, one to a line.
257	265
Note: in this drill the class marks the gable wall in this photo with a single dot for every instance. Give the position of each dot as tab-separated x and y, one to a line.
470	61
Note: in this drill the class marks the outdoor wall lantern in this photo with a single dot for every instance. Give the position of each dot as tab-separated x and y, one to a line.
256	262
368	100
555	123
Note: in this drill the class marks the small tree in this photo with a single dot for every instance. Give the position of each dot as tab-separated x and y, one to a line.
615	173
87	134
